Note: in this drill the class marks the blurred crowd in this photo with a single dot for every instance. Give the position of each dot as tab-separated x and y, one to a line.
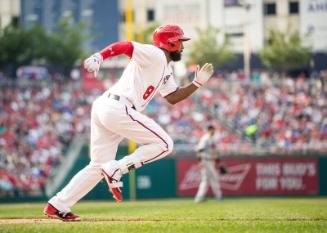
257	115
37	124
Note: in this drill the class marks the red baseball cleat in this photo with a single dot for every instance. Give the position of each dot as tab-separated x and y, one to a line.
114	185
52	212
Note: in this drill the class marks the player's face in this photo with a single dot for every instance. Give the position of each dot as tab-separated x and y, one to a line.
177	55
211	132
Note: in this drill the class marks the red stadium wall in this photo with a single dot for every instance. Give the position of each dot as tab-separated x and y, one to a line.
255	177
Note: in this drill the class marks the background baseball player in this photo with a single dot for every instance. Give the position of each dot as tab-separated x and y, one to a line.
116	114
207	154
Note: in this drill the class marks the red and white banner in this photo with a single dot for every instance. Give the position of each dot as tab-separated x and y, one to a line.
255	177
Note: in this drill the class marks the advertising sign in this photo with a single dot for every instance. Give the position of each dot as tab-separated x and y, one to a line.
255	177
313	14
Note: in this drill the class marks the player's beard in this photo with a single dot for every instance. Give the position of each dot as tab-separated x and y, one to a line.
175	56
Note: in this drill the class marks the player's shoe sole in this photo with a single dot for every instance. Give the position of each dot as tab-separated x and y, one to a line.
52	212
112	184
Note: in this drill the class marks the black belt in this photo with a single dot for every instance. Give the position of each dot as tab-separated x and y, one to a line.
117	97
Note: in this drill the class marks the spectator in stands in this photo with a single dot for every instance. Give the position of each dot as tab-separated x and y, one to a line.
290	116
31	146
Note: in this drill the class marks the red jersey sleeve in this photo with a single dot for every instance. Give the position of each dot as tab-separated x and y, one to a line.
118	48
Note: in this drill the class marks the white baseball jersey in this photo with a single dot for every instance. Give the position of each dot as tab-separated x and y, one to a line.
113	119
147	73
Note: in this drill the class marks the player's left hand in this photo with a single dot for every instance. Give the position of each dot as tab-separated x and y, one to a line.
93	63
202	75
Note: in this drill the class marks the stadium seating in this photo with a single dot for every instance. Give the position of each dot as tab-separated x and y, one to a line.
258	116
37	123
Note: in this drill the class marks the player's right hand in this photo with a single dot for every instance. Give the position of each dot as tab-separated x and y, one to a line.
93	63
202	75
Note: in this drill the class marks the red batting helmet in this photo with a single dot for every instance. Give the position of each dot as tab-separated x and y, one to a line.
168	37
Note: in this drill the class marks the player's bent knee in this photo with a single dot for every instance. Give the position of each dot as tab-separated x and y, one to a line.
166	144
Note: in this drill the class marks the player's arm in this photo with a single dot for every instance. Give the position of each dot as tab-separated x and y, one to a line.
181	93
93	63
202	144
200	148
201	77
118	48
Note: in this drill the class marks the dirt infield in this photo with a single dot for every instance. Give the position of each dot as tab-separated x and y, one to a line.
28	221
84	220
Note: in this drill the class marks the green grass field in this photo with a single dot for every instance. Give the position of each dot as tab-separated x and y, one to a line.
177	215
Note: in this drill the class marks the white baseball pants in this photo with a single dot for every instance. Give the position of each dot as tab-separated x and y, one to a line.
210	177
111	121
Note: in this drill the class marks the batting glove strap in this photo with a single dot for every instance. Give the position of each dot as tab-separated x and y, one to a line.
197	83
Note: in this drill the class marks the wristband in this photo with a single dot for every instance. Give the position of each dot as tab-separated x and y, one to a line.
197	83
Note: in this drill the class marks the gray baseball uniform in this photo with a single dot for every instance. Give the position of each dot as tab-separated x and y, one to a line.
209	175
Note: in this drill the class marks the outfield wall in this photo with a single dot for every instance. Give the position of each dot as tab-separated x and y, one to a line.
179	176
322	164
249	176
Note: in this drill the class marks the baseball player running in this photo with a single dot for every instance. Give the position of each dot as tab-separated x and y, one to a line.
116	114
206	152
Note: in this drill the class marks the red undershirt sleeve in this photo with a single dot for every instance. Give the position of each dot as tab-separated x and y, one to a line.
118	48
